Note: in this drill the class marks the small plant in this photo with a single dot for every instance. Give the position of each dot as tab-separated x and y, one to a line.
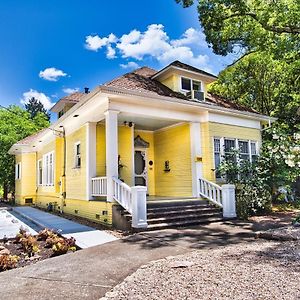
8	262
63	246
296	220
52	239
22	233
30	245
44	234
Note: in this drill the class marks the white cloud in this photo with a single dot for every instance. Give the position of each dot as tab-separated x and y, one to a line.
129	65
154	43
52	74
70	90
95	43
45	100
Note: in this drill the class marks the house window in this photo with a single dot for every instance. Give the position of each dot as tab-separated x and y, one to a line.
40	172
189	84
217	155
48	172
77	155
18	171
244	150
254	153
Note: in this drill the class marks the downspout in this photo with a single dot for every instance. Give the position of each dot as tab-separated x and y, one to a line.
63	181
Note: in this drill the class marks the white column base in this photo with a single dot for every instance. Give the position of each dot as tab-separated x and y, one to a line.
139	207
228	201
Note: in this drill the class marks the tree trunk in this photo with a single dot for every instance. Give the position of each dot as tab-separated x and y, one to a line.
5	191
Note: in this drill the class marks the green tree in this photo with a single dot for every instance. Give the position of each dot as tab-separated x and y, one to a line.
254	25
34	106
15	124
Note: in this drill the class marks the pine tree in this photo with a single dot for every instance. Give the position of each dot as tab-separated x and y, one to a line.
34	106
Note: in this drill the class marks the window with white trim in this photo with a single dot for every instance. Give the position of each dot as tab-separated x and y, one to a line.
48	169
188	84
78	155
18	171
248	151
40	172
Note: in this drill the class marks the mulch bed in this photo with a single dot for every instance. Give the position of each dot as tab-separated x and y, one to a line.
24	260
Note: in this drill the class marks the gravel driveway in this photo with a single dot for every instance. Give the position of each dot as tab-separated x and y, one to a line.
253	270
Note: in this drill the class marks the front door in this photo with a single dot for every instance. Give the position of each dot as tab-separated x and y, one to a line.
140	167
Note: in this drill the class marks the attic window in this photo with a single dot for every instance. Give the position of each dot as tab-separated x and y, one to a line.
189	84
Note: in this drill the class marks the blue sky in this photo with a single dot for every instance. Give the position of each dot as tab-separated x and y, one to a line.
49	48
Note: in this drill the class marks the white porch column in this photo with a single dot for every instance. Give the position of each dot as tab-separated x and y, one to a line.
228	201
111	137
90	157
196	156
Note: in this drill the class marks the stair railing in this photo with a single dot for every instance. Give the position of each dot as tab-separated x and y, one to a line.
222	196
133	199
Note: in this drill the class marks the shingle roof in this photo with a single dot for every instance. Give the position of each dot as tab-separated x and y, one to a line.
74	97
184	66
140	80
34	137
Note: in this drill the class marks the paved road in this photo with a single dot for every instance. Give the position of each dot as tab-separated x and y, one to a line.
90	273
85	236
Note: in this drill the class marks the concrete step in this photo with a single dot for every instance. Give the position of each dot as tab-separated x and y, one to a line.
177	203
183	218
183	223
169	213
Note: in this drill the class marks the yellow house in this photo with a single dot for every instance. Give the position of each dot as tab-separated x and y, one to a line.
144	136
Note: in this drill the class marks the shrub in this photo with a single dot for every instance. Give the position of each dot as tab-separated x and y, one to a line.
63	246
29	244
22	233
44	234
8	262
52	239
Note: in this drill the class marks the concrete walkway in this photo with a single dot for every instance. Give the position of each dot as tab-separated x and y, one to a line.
90	273
85	236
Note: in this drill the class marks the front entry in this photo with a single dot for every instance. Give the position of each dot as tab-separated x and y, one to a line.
140	167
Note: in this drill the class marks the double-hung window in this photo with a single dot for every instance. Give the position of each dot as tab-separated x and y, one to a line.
189	85
40	172
77	155
48	169
217	155
244	150
18	171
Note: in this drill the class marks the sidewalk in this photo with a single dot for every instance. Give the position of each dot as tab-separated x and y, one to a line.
90	273
85	236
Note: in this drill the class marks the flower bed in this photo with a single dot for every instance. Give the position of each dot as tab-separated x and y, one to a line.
26	249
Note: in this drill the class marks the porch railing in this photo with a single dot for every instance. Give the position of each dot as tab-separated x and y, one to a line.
222	196
99	186
122	194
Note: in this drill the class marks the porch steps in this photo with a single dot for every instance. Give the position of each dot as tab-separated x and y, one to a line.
179	213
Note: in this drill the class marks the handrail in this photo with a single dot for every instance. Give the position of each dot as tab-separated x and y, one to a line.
122	194
99	186
211	191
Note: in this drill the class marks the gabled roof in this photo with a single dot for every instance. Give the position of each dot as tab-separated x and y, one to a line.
71	98
32	138
141	80
181	65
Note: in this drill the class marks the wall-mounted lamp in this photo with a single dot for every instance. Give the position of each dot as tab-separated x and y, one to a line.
167	166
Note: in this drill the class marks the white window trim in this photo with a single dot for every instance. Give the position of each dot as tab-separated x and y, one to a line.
48	180
191	79
222	149
18	171
39	182
75	155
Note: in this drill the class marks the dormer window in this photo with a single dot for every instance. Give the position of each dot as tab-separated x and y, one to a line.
190	85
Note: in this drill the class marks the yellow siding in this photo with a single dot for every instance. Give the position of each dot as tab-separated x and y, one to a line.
173	144
100	150
76	177
26	186
211	130
171	82
149	137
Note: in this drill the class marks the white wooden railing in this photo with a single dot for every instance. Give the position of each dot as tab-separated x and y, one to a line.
99	186
222	196
133	199
211	191
122	194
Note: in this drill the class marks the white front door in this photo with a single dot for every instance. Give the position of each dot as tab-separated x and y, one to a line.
140	167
